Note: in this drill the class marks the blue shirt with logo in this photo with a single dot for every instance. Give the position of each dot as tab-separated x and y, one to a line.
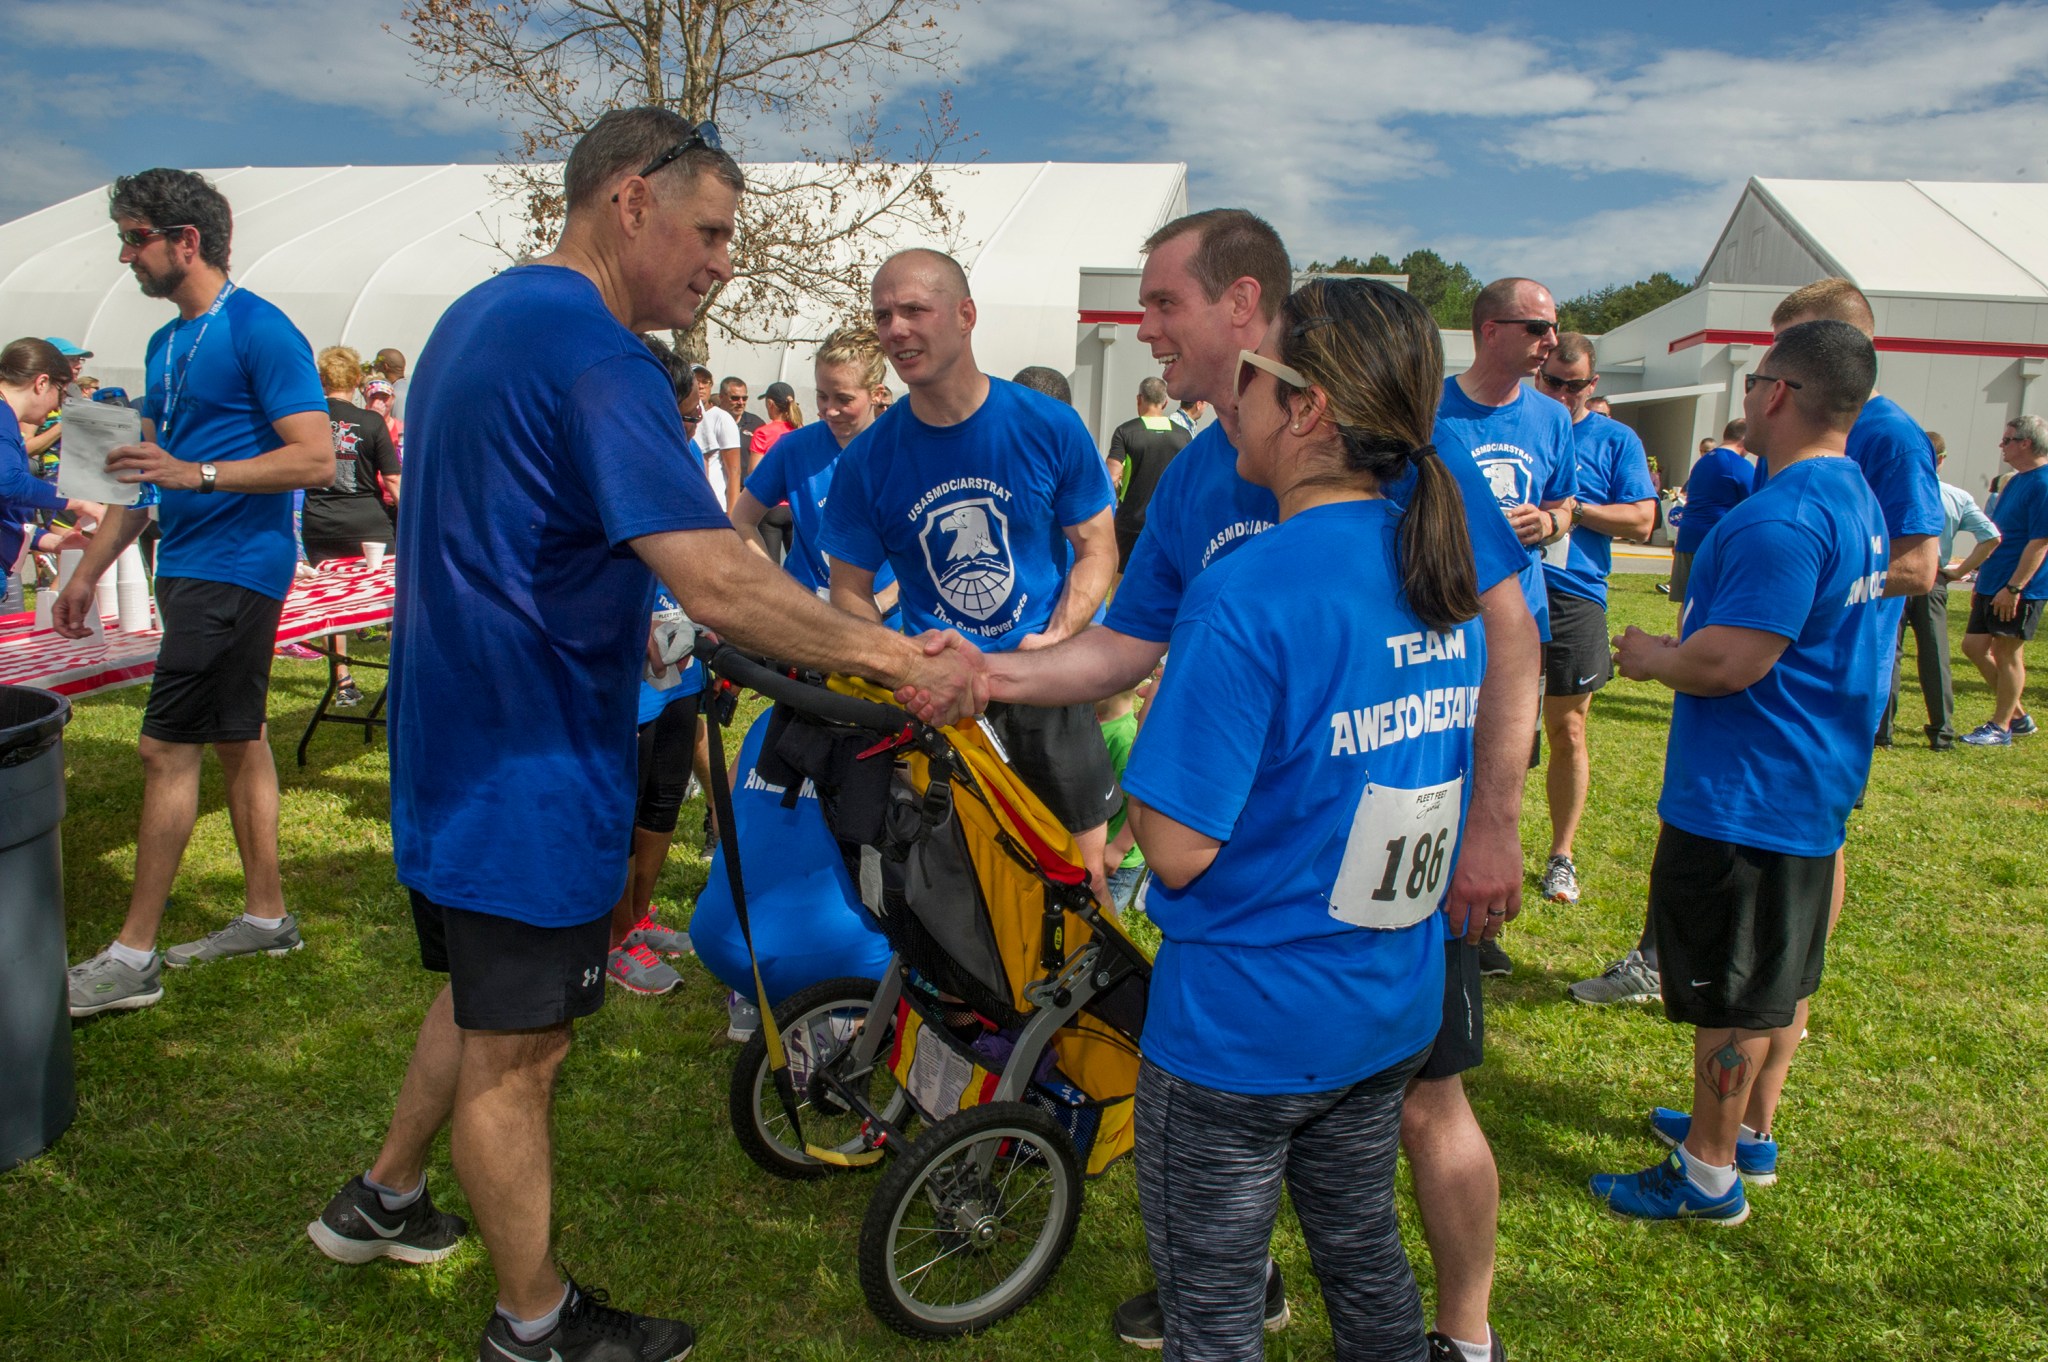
798	469
233	373
1719	482
1778	765
1202	510
2022	515
971	516
1613	470
543	438
1312	725
1524	450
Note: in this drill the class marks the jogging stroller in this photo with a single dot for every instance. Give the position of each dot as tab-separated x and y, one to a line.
1007	1024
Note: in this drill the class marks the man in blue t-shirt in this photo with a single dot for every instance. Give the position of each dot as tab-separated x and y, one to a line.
973	490
2011	587
240	424
546	473
1213	283
1718	482
1778	691
1615	499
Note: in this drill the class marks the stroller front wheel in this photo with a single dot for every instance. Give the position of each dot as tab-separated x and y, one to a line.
971	1221
816	1023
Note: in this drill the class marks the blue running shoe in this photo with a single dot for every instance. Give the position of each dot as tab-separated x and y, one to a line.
2024	725
1664	1192
1988	735
1756	1160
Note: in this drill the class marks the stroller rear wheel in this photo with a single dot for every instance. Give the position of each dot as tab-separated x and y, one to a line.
816	1023
971	1221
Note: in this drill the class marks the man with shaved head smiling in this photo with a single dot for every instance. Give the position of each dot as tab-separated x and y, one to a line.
973	491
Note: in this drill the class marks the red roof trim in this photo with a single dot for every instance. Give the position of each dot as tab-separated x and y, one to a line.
1090	316
1905	345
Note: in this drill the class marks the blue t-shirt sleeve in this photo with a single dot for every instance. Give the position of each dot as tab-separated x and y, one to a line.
849	532
1186	765
1766	575
1906	488
1631	479
1148	595
279	363
1561	478
1084	488
767	482
621	434
1496	552
20	487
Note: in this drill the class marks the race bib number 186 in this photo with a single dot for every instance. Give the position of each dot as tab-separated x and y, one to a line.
1398	857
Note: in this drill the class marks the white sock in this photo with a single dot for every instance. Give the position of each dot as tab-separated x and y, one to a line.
1473	1352
1714	1181
390	1198
268	924
536	1329
131	957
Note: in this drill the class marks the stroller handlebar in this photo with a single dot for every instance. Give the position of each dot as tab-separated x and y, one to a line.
736	666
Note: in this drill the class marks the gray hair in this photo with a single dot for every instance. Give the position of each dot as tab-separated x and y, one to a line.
624	140
2031	428
1152	392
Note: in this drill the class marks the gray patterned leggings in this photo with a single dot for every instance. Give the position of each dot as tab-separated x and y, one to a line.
1210	1168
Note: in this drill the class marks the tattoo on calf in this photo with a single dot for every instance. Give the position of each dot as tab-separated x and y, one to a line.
1728	1070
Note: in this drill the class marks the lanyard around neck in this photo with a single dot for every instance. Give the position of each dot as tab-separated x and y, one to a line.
176	375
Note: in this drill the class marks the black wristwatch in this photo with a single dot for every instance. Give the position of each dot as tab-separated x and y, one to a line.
206	476
2014	589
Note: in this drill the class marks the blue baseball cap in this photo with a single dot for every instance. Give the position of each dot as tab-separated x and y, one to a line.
67	349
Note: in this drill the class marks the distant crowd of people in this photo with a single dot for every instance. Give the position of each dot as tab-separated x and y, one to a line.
1354	594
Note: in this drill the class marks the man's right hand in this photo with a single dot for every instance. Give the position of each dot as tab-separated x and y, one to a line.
949	683
69	616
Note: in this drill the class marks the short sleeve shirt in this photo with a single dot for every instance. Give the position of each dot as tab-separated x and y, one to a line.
798	469
2022	516
1613	470
1524	450
972	516
1718	483
544	439
1778	765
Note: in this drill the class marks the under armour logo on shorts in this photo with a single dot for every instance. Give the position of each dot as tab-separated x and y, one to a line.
592	975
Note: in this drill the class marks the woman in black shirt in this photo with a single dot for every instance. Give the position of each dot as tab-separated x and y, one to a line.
350	511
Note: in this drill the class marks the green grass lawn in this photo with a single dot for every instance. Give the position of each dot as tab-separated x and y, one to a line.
1911	1221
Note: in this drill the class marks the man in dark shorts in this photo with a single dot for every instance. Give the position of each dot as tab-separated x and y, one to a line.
972	491
548	473
2011	589
1615	499
240	423
1778	691
1139	451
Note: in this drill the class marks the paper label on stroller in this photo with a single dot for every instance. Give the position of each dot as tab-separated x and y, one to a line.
1398	857
938	1079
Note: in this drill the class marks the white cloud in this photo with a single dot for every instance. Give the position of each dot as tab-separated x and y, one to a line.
35	173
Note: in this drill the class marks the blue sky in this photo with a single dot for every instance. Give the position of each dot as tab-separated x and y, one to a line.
1585	144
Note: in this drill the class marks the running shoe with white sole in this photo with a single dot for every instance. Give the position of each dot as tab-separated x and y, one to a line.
1988	734
742	1018
659	937
1141	1323
590	1330
1560	880
1664	1192
1628	980
1442	1348
639	970
240	937
1756	1160
2023	725
355	1228
104	984
1493	961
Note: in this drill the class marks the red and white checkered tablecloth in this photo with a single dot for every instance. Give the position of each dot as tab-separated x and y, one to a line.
342	595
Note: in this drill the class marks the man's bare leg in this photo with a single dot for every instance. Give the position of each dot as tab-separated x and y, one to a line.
1457	1192
170	807
504	1157
425	1099
1569	774
2009	663
1770	1079
252	808
1725	1064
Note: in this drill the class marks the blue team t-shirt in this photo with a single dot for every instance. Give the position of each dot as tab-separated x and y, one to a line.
972	516
1613	470
2022	515
233	373
1719	482
1779	764
798	469
1202	510
1524	449
1311	724
22	494
543	436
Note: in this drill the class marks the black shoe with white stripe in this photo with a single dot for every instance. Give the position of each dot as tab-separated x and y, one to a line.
355	1228
590	1330
1141	1323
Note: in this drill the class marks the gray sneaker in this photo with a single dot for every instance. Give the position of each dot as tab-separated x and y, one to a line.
1628	980
1560	880
742	1018
104	984
237	938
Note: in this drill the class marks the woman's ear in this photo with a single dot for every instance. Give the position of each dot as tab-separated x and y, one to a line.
1308	410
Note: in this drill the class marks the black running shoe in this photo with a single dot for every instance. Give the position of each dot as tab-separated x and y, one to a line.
591	1331
1493	961
1141	1323
355	1228
1442	1349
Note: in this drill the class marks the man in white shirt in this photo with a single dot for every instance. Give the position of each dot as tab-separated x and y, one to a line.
718	435
1927	616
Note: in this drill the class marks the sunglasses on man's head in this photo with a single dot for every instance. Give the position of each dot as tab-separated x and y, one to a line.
142	236
1535	326
1574	386
703	135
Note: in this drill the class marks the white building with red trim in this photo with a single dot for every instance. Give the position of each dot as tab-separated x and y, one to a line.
1957	275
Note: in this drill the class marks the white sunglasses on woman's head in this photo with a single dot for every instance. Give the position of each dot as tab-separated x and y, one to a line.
1248	360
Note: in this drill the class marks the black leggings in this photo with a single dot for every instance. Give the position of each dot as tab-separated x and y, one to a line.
666	743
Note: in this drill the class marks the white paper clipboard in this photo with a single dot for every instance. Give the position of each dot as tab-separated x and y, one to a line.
93	430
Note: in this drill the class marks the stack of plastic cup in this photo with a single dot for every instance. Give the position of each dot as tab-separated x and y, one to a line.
131	590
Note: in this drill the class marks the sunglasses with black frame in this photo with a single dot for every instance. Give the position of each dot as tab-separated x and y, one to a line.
1574	386
703	135
1749	381
1535	326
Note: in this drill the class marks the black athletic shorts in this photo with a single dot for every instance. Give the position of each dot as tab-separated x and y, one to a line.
1985	620
1058	751
508	975
212	681
1681	574
1578	660
1741	932
1461	1040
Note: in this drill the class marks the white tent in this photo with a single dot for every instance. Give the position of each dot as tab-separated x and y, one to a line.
369	256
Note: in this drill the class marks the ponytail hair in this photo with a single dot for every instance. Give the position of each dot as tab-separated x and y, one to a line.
1376	354
782	398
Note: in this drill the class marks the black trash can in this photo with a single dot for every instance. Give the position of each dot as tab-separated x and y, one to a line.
37	1100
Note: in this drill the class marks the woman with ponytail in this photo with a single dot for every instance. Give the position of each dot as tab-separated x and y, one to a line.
1299	787
33	374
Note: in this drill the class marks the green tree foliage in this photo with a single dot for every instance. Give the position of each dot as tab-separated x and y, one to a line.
1447	288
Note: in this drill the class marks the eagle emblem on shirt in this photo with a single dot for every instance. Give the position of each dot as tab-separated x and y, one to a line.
967	551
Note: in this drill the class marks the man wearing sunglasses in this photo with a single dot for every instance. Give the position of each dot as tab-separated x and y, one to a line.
1615	500
240	422
546	477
